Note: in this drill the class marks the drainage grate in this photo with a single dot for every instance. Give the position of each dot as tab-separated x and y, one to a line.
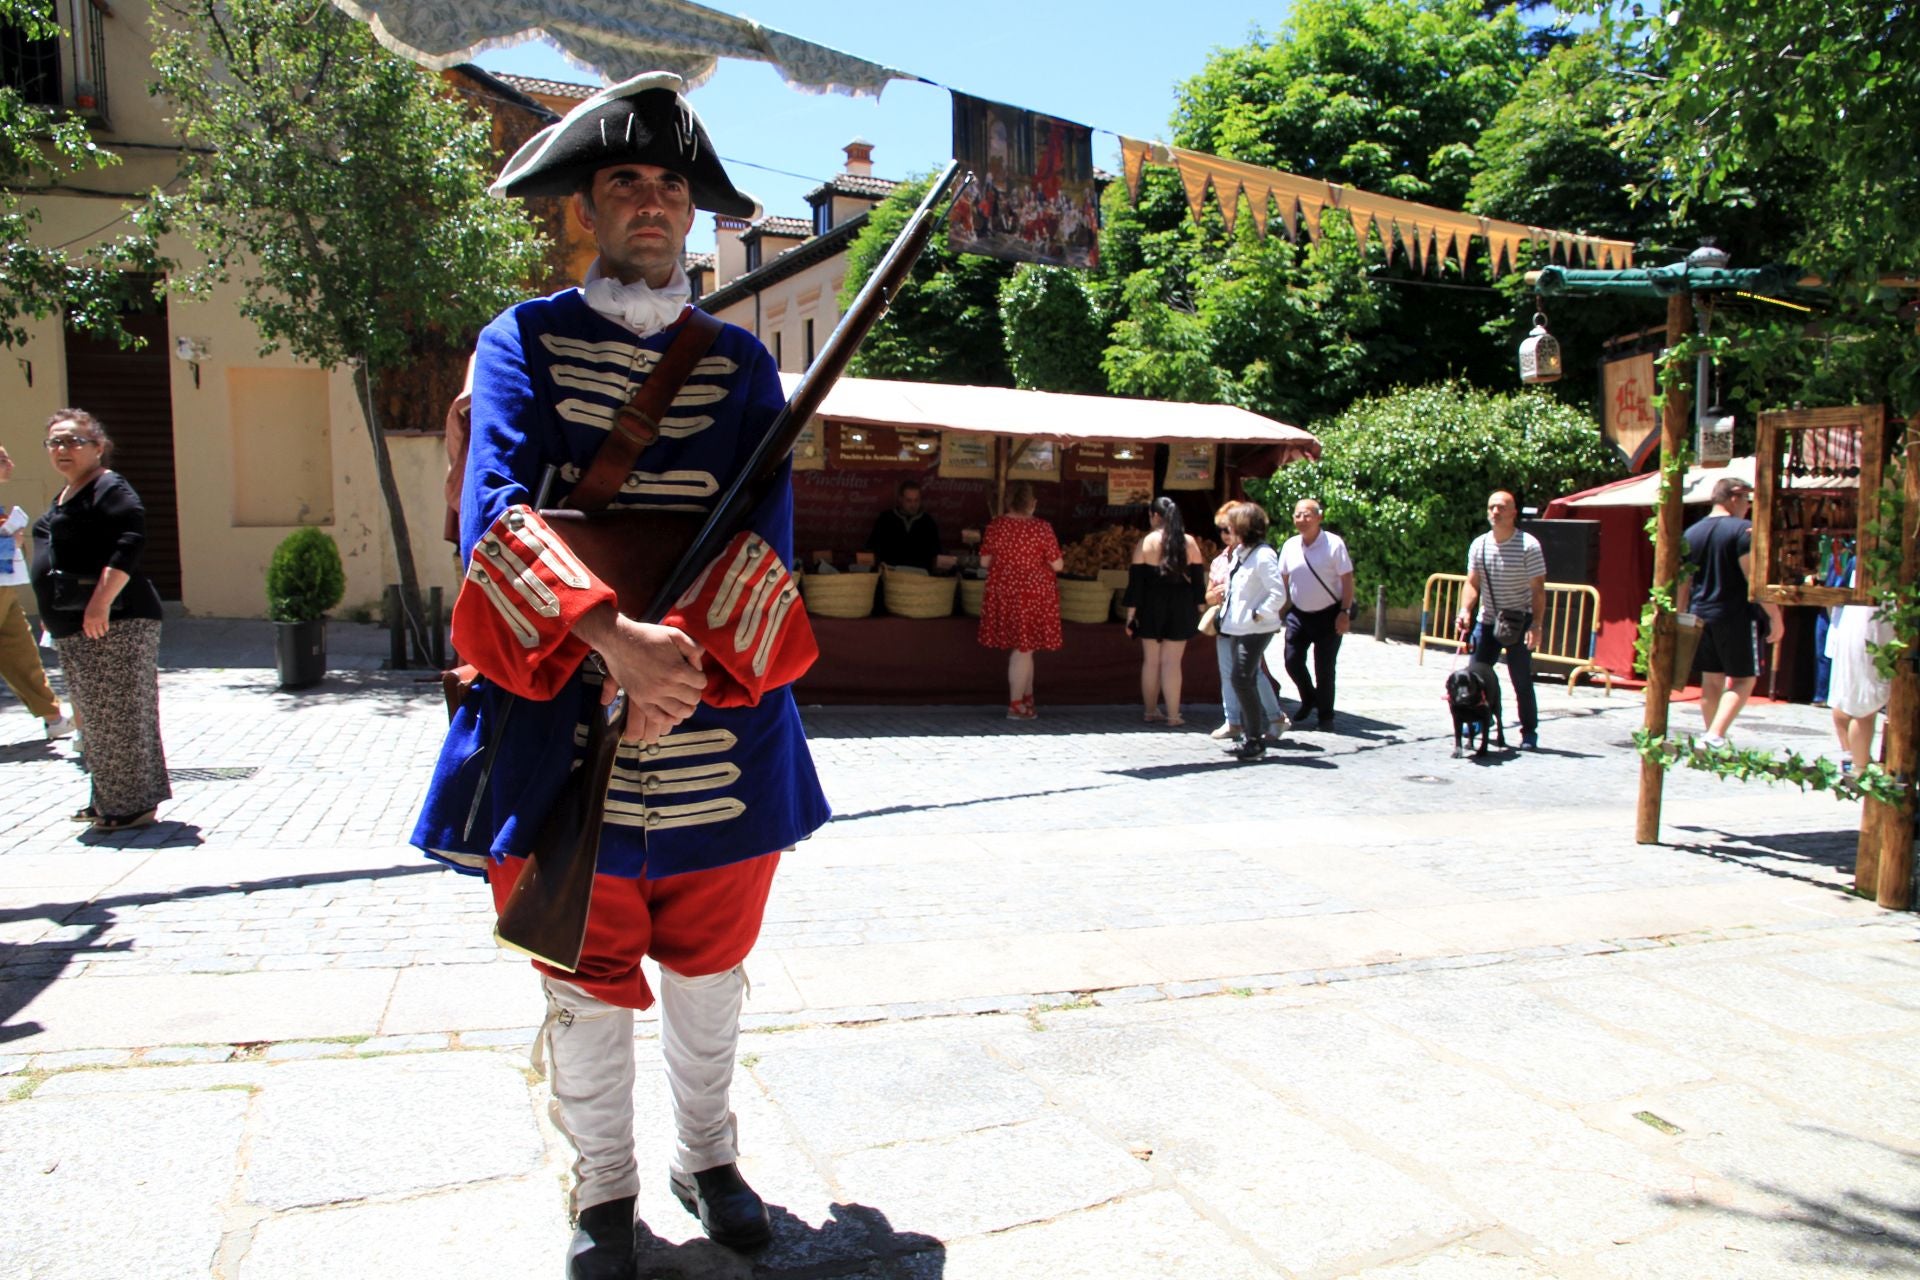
213	775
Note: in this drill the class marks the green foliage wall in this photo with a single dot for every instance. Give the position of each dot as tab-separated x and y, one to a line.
1404	477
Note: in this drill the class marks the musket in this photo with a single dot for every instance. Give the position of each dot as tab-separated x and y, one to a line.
650	558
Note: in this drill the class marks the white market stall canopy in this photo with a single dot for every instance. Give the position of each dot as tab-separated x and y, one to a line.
1051	415
1641	491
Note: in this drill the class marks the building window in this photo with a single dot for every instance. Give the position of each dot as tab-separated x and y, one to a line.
30	66
806	337
779	360
753	255
823	217
47	77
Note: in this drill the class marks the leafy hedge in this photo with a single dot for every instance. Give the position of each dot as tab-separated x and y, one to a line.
1405	477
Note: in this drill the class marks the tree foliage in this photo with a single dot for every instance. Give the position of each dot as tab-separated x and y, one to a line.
1404	477
944	322
344	187
40	147
1053	331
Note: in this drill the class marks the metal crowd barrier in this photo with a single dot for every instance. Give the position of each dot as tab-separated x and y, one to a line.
1568	634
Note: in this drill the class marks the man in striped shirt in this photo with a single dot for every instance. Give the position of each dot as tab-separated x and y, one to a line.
1506	572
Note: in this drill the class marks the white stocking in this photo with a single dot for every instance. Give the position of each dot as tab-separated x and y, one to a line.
585	1048
699	1036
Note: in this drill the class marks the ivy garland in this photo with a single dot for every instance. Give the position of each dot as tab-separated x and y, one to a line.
1815	774
1898	605
1673	471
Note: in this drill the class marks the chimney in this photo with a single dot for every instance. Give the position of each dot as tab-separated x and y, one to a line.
860	158
730	256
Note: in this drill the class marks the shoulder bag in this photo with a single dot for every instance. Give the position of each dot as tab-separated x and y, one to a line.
1509	625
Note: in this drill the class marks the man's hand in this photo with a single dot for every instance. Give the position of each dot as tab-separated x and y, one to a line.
1533	638
1462	625
658	668
1342	623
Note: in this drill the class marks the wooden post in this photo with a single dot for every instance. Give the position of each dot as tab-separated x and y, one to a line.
1666	565
1886	831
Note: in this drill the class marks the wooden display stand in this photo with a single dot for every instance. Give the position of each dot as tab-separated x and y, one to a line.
1817	475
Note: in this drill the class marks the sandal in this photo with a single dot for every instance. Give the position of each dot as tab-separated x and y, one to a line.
130	822
1174	722
1154	717
88	814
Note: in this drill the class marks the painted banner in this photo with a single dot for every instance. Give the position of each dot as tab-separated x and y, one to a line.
966	455
1629	422
809	447
1190	465
884	448
1032	197
1129	486
1037	460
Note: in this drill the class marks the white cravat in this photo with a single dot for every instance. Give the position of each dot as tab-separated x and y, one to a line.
639	306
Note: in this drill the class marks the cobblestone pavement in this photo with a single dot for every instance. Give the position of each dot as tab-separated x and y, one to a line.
1078	997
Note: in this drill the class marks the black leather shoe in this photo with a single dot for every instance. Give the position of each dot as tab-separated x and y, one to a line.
602	1247
1252	749
730	1211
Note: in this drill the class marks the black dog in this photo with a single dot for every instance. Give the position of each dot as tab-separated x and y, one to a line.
1473	711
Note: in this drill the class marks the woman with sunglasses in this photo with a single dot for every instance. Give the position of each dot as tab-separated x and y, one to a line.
104	617
1269	712
1255	599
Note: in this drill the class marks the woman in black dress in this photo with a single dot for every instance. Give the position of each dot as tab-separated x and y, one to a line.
1164	588
104	617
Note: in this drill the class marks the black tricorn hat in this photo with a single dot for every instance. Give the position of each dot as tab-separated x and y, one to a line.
645	120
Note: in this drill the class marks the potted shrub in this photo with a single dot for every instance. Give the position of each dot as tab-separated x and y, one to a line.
304	580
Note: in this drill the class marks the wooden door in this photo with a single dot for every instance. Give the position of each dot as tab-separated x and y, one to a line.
131	393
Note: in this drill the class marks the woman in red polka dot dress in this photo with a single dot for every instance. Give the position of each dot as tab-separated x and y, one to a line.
1021	607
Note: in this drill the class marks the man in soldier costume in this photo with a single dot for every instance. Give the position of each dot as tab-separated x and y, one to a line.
713	778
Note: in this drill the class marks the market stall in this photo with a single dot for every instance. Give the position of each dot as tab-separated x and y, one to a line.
1095	462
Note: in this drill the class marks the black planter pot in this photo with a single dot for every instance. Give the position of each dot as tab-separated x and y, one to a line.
300	649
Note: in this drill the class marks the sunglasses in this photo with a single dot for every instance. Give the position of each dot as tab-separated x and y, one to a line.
68	442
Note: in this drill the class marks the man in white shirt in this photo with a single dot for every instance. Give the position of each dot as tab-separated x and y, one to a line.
1319	576
19	656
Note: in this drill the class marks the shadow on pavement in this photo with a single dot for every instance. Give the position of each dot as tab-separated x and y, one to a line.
798	1249
388	692
1781	853
1854	1230
161	835
888	810
27	969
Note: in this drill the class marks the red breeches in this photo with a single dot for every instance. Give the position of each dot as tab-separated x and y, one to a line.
695	924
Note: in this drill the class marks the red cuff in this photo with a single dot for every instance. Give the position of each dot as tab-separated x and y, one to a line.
745	611
516	612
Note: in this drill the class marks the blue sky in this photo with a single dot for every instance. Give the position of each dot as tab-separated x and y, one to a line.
1112	66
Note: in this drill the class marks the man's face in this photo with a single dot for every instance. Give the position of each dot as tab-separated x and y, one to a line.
639	215
1501	511
1739	502
910	501
1306	520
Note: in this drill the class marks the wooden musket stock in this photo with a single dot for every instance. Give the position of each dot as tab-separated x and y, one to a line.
650	558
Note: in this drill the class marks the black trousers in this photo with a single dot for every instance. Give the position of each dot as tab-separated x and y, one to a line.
1244	674
1315	631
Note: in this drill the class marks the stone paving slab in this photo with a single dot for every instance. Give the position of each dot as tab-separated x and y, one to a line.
1396	1127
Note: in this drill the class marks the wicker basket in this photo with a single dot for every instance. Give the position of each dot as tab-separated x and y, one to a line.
973	596
1084	601
915	595
839	595
1115	578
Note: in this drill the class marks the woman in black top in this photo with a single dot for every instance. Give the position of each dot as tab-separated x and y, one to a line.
104	617
1164	588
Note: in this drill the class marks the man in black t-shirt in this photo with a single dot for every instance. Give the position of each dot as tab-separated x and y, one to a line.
1720	551
905	535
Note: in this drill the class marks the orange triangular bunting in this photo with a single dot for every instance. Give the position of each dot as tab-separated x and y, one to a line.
1229	204
1133	162
1196	181
1260	204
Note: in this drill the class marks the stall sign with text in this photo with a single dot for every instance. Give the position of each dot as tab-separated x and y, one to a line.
858	446
1190	465
1630	423
1035	460
966	455
1127	486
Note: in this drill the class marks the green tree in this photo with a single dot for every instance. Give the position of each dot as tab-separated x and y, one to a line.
343	186
40	147
944	323
1826	93
1053	331
1404	477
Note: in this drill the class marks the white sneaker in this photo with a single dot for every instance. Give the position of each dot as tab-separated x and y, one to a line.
1713	742
1226	731
1281	723
57	729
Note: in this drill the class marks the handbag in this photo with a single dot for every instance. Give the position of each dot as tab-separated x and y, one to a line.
1509	625
1210	620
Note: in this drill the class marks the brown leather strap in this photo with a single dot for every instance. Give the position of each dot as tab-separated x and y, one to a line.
636	424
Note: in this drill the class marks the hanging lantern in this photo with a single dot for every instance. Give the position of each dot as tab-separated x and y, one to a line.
1540	353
